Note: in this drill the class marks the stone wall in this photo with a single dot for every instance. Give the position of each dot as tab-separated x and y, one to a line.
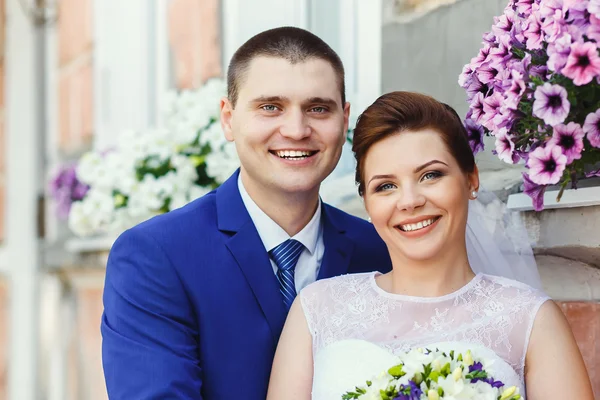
3	336
425	51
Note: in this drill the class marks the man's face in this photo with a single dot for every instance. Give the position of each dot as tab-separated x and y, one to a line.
288	125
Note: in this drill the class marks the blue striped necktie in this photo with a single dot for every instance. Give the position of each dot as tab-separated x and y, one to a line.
286	256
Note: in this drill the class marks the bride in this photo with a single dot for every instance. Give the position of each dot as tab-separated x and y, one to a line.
417	174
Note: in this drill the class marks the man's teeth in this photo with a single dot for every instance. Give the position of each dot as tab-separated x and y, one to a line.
418	225
293	154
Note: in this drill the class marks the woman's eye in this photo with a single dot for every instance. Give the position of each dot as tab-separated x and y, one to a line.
431	175
385	186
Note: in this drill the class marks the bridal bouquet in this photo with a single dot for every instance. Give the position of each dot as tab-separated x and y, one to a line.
152	172
535	87
432	375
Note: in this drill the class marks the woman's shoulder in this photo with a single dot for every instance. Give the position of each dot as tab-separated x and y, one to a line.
512	292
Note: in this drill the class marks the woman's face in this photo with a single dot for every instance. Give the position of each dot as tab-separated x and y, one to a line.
417	195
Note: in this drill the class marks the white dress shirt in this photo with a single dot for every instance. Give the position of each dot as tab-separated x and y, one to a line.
272	235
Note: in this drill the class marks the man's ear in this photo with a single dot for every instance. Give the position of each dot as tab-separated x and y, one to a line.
346	116
226	117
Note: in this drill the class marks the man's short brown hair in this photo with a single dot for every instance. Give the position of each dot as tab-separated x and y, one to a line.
292	44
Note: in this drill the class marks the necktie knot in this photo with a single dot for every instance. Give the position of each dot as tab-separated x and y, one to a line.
286	257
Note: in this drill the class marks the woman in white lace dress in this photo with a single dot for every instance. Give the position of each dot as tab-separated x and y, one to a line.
416	174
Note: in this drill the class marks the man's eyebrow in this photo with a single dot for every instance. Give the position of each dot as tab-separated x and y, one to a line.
270	99
322	100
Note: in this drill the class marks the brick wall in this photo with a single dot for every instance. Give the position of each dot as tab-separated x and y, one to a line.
194	40
75	47
584	318
2	136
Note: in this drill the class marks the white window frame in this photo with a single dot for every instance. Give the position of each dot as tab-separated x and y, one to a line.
139	74
360	32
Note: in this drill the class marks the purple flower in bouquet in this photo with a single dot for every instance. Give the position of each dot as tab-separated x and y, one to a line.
535	191
533	32
65	188
570	138
477	103
475	135
551	104
505	147
583	63
591	128
492	106
516	90
524	6
594	8
486	73
558	53
594	29
546	164
474	87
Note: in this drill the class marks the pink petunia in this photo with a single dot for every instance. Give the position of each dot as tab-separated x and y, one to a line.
583	63
524	6
476	107
505	147
594	8
591	128
551	104
491	108
570	138
533	32
554	26
546	164
516	90
558	52
593	31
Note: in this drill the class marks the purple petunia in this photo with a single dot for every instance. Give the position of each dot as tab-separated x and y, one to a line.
516	90
477	107
65	188
591	128
546	164
505	147
475	135
570	138
533	32
535	191
491	108
583	63
551	104
594	8
558	53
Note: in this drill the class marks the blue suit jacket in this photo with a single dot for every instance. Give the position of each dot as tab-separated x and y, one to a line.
192	309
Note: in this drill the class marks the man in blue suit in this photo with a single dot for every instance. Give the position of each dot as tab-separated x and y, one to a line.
195	300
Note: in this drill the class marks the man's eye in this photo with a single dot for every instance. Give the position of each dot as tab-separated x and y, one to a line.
318	110
269	107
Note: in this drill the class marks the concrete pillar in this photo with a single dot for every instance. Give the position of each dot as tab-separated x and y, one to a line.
24	99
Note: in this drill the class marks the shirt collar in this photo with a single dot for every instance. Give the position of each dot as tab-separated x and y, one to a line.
271	234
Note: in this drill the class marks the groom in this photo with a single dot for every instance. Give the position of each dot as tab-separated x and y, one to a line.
195	300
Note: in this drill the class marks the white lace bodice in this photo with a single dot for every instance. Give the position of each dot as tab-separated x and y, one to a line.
356	326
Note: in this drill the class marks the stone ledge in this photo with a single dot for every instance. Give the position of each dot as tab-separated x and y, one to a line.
568	280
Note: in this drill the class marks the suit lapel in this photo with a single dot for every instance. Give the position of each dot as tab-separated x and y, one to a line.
249	252
338	247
